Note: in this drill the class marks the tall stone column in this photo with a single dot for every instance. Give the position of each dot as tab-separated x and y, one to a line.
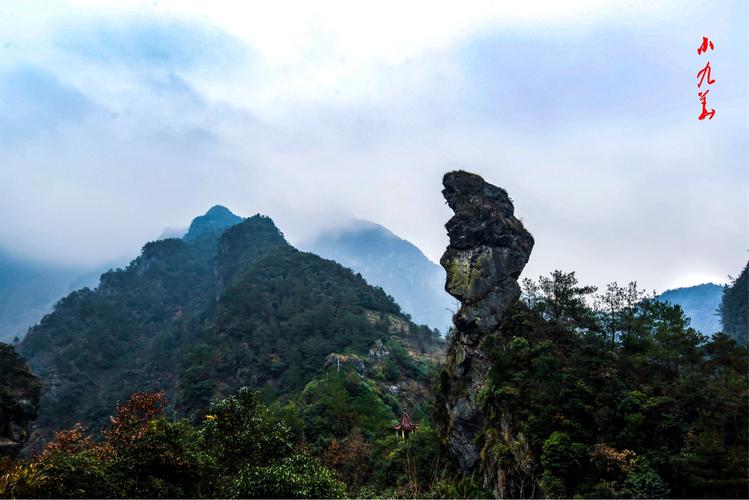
488	249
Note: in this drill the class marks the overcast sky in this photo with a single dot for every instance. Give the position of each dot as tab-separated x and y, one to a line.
119	121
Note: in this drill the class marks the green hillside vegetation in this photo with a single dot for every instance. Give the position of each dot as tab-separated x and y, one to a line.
201	317
335	439
615	397
734	308
250	369
241	449
620	400
611	396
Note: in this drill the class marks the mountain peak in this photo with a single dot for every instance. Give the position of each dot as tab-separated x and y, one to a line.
219	211
214	221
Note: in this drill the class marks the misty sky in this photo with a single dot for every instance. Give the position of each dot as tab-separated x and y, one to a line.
117	121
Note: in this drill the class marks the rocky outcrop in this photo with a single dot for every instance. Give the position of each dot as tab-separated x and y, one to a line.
488	249
337	361
378	351
19	401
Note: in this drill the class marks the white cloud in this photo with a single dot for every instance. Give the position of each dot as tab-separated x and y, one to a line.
314	111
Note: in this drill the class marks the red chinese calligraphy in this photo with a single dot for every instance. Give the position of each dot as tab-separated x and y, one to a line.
705	43
705	113
703	73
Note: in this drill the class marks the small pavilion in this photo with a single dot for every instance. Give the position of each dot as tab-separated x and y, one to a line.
405	426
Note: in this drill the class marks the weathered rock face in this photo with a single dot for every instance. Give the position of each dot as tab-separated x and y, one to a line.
337	361
488	249
19	401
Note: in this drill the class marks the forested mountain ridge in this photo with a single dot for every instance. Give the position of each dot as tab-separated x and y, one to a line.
30	289
231	305
395	264
734	308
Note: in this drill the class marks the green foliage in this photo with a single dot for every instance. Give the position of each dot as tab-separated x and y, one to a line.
734	308
561	459
413	465
130	329
559	298
560	455
632	403
28	290
70	475
297	476
457	487
337	403
644	482
242	449
241	432
26	481
168	461
279	318
156	325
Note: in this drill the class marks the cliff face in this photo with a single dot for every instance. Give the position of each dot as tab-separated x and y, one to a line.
488	249
19	401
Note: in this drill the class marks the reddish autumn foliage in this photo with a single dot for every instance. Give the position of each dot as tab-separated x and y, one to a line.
131	419
69	441
614	462
129	425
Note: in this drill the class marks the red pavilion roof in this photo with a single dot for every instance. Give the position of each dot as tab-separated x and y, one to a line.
406	424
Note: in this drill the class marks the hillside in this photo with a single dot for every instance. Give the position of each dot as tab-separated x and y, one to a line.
734	308
230	305
700	304
394	264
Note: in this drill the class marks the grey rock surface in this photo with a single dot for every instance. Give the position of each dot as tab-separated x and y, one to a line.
487	252
19	401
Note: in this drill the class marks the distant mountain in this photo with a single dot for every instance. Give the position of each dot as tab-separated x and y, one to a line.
394	264
29	289
700	303
230	305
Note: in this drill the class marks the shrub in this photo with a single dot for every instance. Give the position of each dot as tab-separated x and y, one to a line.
297	476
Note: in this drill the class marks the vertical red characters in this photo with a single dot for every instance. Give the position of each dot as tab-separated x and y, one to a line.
702	76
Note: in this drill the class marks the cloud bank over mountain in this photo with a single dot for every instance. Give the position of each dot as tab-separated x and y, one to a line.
117	121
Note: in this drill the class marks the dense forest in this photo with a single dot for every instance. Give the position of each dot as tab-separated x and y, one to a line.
734	308
618	399
607	395
232	304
